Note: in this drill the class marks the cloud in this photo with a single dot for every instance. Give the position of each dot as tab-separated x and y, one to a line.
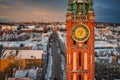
54	10
3	6
107	11
37	10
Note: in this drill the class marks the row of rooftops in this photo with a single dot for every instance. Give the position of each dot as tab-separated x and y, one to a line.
32	53
23	54
107	60
27	43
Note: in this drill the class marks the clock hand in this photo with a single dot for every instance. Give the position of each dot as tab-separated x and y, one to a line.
80	32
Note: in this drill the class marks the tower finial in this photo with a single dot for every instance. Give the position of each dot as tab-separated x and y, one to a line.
69	6
91	5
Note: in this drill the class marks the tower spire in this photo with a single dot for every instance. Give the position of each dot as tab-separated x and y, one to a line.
91	5
69	6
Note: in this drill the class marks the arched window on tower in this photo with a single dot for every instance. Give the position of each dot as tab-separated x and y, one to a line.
85	77
79	58
74	60
79	77
85	61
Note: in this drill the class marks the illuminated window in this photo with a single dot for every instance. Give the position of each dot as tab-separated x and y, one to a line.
74	77
74	60
85	77
85	61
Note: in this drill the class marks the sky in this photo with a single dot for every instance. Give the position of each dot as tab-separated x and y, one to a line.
53	10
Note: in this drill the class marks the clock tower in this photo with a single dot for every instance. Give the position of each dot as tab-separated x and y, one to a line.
80	40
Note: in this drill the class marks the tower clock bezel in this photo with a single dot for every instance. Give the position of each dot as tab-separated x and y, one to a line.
86	32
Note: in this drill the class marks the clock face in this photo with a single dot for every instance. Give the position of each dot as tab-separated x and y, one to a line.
80	33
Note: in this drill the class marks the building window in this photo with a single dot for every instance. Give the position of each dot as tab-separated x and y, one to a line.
85	42
85	61
74	42
85	77
74	77
79	77
74	61
79	59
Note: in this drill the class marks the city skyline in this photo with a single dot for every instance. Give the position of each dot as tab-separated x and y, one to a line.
54	10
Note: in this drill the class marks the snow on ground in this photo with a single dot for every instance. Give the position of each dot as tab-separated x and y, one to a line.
63	64
31	73
48	75
21	73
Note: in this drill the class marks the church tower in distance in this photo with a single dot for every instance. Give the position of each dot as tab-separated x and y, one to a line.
80	40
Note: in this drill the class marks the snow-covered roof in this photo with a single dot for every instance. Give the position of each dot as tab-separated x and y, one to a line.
22	34
97	59
26	29
31	27
26	73
19	78
46	34
17	44
7	53
104	44
14	44
21	73
62	26
30	54
23	54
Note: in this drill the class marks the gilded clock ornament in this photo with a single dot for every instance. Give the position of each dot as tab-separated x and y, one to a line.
80	32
